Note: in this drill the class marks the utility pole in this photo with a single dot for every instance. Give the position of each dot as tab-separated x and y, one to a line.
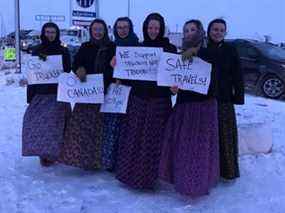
17	36
97	9
129	8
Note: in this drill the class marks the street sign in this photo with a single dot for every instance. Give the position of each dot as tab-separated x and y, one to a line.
56	18
83	12
10	54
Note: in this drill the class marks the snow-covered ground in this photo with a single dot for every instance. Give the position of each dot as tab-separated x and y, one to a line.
26	187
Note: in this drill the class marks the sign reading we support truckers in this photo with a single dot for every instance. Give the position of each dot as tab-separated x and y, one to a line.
72	90
42	72
193	75
137	63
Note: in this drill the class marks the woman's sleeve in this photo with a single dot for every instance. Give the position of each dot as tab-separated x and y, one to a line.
78	59
66	60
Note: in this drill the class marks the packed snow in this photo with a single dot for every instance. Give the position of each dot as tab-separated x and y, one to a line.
26	187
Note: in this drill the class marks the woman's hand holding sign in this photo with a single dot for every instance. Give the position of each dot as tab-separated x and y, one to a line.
188	54
81	74
113	62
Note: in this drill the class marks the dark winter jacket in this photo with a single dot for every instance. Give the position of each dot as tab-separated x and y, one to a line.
149	89
230	85
47	48
96	57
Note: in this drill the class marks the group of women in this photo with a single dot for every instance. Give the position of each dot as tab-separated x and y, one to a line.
191	145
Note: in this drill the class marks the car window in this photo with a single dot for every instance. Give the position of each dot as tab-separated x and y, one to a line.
246	51
273	52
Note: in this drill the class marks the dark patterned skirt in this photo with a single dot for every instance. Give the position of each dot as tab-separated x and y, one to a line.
228	141
190	155
111	132
83	137
43	127
140	141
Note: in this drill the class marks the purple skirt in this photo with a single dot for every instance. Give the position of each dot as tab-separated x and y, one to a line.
190	156
140	141
43	127
83	137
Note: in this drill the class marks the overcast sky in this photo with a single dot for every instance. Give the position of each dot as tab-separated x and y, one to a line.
252	19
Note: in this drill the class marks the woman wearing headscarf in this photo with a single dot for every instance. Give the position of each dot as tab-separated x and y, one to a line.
230	92
83	136
148	110
124	36
190	155
45	118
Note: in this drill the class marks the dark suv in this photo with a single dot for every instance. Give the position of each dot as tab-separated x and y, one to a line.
263	65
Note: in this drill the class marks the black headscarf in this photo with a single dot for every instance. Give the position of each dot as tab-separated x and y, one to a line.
160	38
105	40
44	40
131	40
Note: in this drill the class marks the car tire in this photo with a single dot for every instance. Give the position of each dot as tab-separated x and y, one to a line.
272	86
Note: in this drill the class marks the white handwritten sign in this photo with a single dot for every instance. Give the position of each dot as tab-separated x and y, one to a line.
71	90
193	75
137	63
116	100
42	72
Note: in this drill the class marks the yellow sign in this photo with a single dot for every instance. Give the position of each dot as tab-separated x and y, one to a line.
10	54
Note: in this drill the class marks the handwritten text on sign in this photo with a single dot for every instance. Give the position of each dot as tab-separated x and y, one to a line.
71	90
193	75
137	63
116	100
43	72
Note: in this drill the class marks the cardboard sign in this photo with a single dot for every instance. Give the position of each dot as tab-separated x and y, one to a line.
137	63
116	100
71	90
193	75
42	72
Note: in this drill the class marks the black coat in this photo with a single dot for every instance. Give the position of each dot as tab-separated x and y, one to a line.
230	85
48	49
226	78
96	60
150	89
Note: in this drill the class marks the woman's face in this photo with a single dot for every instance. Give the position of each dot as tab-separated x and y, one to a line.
217	32
123	29
153	29
50	33
190	30
97	30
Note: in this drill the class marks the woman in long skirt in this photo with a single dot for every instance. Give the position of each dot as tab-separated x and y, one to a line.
45	118
124	36
230	92
142	128
190	155
83	135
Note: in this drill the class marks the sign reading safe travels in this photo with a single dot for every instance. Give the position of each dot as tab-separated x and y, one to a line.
193	75
83	12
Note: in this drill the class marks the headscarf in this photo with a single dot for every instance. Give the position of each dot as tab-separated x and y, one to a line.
197	39
131	39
